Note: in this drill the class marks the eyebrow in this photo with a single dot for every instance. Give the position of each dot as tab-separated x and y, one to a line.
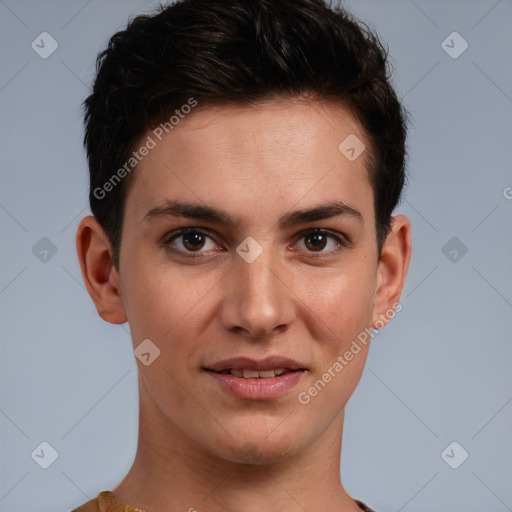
172	208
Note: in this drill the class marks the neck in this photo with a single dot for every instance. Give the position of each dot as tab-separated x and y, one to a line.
171	472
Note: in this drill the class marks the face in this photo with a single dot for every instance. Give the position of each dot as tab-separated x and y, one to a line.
249	258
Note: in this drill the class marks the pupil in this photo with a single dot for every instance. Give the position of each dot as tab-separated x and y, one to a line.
193	240
320	241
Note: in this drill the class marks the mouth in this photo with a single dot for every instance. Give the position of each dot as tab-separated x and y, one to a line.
247	373
251	379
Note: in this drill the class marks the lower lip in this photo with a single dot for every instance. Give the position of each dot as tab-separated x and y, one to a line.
257	389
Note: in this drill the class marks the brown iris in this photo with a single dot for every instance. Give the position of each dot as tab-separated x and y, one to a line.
318	241
193	241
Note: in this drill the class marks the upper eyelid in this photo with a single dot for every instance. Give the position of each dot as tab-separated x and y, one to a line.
341	238
183	231
326	231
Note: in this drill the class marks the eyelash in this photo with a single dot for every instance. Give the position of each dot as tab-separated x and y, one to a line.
342	241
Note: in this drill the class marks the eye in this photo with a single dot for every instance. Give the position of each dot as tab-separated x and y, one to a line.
190	240
195	241
316	240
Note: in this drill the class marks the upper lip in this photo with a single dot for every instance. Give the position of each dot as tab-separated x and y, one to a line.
246	363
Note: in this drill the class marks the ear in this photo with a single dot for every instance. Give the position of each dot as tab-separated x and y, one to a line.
98	272
391	271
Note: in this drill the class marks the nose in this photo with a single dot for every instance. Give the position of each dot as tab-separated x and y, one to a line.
257	302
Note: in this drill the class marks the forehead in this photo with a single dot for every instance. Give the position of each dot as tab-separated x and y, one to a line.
278	151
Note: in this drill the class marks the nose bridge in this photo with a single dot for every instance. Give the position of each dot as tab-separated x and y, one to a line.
258	276
257	301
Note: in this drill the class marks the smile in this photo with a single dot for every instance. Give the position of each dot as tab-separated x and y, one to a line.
256	379
255	374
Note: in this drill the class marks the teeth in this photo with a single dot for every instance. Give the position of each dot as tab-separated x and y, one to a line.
254	374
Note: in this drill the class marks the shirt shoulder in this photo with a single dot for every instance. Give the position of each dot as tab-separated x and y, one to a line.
106	502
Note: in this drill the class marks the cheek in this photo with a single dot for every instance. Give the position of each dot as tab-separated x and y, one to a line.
343	303
343	316
160	300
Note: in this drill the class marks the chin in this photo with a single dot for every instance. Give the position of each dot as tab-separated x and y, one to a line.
256	451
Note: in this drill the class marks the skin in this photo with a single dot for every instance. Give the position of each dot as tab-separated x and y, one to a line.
200	447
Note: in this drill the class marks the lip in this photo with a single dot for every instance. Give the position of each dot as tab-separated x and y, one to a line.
240	363
256	388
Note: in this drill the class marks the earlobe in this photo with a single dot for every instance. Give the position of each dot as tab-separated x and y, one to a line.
392	270
100	276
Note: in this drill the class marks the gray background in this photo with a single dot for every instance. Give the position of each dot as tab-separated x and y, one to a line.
440	372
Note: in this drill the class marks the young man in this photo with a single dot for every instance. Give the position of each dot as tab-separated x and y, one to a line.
245	159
